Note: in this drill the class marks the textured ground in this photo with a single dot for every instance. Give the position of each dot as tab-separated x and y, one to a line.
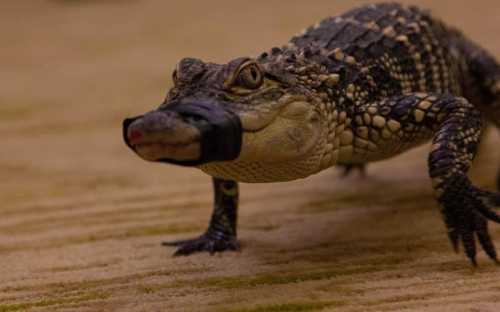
82	218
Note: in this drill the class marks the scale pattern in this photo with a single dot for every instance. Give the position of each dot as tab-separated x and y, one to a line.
405	78
387	78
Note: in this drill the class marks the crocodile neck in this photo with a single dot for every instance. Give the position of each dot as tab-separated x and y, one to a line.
340	85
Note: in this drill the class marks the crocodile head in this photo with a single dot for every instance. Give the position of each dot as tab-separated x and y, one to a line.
250	120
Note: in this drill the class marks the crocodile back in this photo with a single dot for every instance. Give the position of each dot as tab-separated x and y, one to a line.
403	49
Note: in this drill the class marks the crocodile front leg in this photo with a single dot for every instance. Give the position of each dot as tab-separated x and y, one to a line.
221	232
465	207
400	122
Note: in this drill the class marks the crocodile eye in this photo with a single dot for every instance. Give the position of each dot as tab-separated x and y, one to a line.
249	76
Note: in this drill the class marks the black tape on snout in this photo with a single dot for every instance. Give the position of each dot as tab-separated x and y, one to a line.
220	131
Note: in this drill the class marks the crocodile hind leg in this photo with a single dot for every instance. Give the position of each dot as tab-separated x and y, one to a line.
482	84
486	73
348	169
498	179
221	232
456	127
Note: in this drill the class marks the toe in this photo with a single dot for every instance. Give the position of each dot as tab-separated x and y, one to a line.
204	243
466	231
484	238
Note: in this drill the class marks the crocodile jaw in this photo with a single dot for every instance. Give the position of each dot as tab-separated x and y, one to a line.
158	135
291	147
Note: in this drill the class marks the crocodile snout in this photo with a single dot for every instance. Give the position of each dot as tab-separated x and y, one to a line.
185	134
157	135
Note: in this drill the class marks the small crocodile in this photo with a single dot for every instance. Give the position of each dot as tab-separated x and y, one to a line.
360	87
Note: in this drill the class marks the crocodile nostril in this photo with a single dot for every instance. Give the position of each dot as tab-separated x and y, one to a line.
126	129
134	135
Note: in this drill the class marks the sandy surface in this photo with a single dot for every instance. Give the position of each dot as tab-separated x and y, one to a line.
82	218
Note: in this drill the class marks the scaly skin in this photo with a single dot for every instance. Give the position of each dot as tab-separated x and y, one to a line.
364	86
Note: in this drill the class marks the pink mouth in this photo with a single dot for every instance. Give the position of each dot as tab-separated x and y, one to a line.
157	150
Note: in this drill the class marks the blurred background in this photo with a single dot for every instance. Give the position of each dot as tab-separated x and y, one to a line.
82	218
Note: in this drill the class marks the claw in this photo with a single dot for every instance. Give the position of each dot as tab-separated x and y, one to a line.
485	239
466	229
490	198
473	262
470	247
488	213
451	225
453	236
495	199
204	243
467	219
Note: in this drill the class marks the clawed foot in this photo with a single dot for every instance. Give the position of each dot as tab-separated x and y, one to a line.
347	170
206	242
466	217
